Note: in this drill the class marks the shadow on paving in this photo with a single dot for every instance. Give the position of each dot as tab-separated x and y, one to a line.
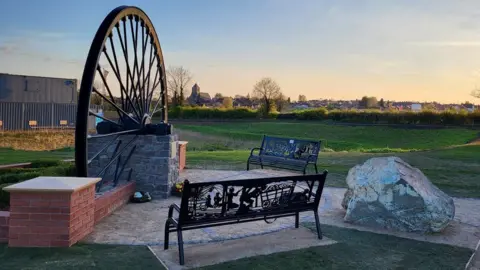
359	250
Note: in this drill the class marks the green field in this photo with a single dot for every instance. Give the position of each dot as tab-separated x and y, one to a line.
442	154
337	138
10	156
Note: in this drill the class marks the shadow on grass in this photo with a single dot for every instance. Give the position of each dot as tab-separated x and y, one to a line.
79	257
359	250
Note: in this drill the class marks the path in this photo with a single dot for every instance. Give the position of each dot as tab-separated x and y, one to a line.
143	224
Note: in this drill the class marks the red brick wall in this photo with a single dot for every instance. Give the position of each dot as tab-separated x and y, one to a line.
4	217
110	201
53	219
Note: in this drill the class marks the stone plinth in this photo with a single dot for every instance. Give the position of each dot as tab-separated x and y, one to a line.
51	211
153	164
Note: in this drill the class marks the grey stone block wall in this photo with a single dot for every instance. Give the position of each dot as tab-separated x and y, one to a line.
154	167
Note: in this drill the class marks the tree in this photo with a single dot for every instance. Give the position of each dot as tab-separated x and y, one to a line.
177	80
368	102
302	98
267	91
476	93
381	103
218	96
227	102
281	103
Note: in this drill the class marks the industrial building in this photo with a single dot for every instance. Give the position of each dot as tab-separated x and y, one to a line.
29	102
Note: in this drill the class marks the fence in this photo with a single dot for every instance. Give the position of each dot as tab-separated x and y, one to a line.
31	116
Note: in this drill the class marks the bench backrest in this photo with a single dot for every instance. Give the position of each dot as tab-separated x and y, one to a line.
230	200
290	148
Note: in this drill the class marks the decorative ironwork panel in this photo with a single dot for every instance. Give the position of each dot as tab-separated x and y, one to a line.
290	148
219	201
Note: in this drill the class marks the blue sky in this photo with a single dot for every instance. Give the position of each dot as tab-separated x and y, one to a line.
397	49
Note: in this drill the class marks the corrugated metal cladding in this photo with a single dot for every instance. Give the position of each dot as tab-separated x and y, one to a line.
23	116
20	88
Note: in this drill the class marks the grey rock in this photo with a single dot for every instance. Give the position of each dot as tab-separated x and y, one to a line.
389	193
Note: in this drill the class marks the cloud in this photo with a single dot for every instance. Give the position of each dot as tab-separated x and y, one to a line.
445	43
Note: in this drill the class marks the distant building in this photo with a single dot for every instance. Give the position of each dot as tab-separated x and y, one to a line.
416	107
24	88
199	98
28	102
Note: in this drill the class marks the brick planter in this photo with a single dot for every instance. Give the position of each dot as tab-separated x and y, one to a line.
51	211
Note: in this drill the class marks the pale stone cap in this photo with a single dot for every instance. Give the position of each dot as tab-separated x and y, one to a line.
52	184
182	142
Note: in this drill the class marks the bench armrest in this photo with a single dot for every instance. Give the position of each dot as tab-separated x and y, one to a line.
171	208
256	148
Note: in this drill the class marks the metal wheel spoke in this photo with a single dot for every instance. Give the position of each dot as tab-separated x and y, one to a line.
102	149
103	118
122	88
125	132
134	43
114	105
116	64
116	156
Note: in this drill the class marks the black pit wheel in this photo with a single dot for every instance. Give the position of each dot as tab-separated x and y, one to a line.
127	48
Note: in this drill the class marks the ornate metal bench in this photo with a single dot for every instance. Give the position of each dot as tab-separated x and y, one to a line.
285	153
220	203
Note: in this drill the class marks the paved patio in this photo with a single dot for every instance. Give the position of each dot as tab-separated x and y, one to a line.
143	224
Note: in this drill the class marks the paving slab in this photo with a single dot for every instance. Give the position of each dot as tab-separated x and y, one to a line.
143	224
223	251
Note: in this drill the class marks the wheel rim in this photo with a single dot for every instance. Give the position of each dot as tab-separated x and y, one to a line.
127	47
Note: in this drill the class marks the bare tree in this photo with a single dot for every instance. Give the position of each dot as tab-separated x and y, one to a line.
177	80
476	93
267	90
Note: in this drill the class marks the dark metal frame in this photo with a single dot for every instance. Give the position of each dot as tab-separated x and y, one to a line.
137	42
284	161
284	202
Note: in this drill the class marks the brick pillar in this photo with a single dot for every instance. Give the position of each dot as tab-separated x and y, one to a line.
4	217
51	211
182	154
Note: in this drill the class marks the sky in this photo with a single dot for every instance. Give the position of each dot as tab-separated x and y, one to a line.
422	50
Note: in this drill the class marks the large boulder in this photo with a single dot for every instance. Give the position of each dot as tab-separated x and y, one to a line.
387	192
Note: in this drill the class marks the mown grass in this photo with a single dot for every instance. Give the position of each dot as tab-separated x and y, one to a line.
359	250
336	138
79	256
454	170
10	156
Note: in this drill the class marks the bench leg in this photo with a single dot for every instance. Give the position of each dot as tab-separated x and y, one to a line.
316	169
317	223
297	220
167	234
248	165
180	246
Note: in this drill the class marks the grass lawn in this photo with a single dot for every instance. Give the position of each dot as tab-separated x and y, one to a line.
79	257
359	250
354	250
337	138
9	156
454	170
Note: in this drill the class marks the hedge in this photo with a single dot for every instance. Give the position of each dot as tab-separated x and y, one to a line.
461	118
37	168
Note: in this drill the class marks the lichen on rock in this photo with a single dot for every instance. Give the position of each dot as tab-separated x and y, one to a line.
389	193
